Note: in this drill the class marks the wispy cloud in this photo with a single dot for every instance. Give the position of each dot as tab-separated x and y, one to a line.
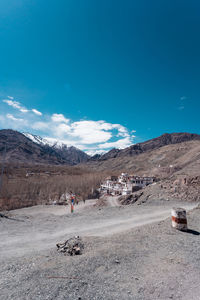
37	112
10	116
88	135
182	103
59	118
94	152
16	105
120	144
39	126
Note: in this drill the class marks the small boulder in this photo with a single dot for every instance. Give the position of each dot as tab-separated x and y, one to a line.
72	246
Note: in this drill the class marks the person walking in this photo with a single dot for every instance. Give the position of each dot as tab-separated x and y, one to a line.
72	202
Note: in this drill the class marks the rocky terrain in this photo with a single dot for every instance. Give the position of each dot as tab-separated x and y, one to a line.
175	165
129	253
160	152
73	154
130	249
161	141
22	149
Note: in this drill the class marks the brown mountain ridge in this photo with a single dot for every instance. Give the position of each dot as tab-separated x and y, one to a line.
21	149
173	158
163	140
169	152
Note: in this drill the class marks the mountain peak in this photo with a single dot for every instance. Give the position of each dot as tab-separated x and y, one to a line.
31	149
163	140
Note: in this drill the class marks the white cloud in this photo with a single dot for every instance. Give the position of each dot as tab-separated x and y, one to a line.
61	130
40	126
91	136
16	104
66	141
37	112
10	116
91	132
59	118
23	110
93	152
120	144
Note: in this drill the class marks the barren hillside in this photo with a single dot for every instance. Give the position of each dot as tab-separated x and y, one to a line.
176	166
17	148
182	157
153	144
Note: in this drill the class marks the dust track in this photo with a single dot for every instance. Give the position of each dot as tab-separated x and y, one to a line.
43	226
123	259
112	201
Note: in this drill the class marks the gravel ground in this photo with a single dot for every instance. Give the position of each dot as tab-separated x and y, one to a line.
147	262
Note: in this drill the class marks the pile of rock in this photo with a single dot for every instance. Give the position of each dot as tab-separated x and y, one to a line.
73	246
130	199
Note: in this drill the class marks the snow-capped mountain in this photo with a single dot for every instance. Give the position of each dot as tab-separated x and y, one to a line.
36	139
72	154
48	141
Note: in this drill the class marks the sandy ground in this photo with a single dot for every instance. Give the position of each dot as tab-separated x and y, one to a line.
130	252
112	201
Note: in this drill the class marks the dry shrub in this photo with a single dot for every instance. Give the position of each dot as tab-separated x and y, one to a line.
25	186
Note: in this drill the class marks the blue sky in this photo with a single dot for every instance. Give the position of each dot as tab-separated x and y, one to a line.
100	74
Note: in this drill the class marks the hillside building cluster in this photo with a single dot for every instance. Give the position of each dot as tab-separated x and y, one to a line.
124	184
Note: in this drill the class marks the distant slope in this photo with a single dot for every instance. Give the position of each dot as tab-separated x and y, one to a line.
73	154
166	154
21	149
158	161
176	166
163	140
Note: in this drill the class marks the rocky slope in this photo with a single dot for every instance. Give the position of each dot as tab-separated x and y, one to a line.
156	143
162	156
147	262
73	154
174	159
22	149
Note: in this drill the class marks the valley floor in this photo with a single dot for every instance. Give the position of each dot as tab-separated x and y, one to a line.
131	252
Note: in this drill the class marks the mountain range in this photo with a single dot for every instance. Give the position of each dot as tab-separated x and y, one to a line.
174	159
27	148
31	149
163	140
167	154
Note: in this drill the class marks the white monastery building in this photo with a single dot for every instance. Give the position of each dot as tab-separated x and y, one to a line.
125	184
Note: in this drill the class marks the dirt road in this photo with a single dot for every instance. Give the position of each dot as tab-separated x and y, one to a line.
112	201
138	262
39	228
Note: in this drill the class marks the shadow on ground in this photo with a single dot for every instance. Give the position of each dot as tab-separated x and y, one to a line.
194	232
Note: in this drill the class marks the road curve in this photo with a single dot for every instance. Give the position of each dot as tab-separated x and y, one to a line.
44	226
